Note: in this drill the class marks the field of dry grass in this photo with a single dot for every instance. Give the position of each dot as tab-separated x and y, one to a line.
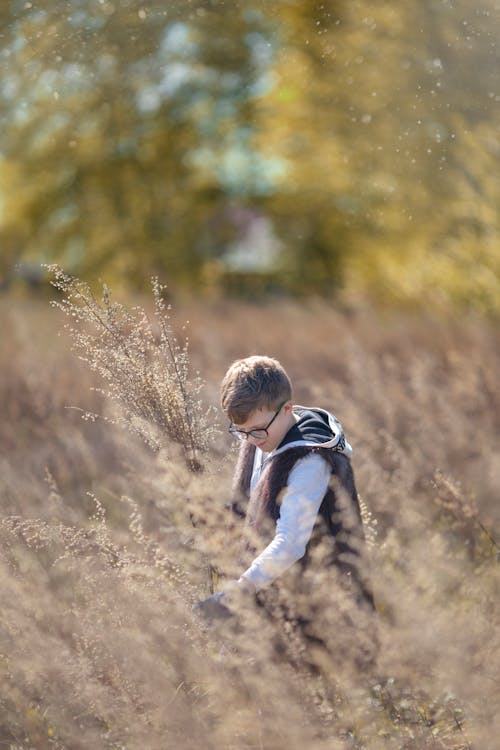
105	545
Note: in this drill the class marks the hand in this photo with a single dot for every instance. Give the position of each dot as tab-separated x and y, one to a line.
224	604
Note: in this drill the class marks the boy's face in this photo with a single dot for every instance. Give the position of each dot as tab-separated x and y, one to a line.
277	424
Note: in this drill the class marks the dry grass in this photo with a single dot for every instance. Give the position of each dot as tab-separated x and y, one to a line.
105	544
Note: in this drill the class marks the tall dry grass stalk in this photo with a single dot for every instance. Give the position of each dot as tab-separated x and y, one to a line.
146	370
105	545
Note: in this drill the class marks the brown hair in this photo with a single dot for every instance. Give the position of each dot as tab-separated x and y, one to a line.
253	383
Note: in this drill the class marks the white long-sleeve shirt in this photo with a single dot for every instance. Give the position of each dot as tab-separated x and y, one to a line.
307	484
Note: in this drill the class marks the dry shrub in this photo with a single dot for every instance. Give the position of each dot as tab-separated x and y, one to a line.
146	371
105	545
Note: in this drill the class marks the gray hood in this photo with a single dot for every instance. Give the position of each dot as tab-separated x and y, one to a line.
315	428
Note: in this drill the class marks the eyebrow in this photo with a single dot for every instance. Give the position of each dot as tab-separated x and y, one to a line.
256	427
253	427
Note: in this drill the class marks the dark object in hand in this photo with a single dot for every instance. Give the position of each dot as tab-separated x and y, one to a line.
213	607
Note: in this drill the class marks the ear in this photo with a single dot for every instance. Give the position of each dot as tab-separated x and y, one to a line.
288	406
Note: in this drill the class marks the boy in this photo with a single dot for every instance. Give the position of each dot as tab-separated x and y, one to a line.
293	481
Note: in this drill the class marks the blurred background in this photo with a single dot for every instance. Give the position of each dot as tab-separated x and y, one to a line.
337	163
347	149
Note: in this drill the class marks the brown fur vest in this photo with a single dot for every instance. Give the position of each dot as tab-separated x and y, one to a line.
339	519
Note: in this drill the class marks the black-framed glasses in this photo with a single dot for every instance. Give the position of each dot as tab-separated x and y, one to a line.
260	434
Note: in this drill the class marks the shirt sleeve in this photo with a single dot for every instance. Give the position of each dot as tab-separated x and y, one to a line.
307	484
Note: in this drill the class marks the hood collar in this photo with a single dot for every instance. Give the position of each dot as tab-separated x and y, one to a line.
315	428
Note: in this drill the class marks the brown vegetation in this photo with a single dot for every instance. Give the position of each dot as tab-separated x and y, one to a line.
105	545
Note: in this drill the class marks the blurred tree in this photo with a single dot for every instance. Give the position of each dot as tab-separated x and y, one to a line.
375	109
113	118
136	136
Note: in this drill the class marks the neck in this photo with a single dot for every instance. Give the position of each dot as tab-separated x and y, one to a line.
292	419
